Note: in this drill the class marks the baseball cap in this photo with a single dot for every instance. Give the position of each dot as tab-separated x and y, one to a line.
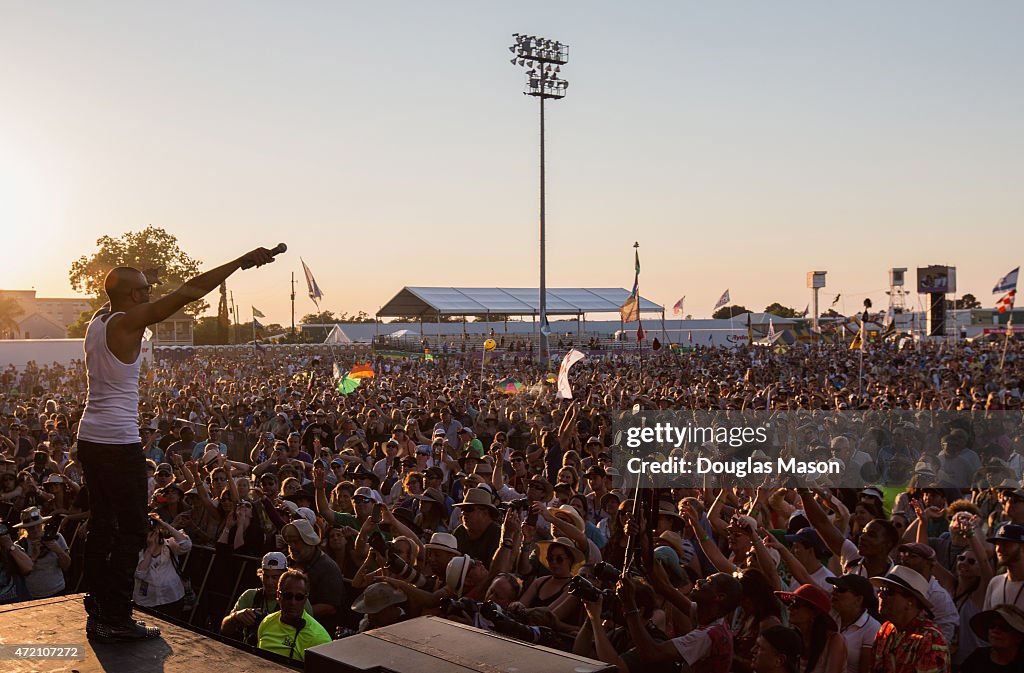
367	492
274	560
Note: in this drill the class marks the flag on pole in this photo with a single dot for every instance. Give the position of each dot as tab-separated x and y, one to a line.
256	324
1007	282
1005	302
1008	285
722	301
836	300
314	290
677	308
750	331
630	310
564	389
807	309
771	329
256	313
361	370
640	333
655	345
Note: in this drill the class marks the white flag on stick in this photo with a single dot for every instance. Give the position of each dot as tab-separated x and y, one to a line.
564	389
722	301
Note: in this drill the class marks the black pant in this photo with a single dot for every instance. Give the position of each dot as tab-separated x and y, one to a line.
116	476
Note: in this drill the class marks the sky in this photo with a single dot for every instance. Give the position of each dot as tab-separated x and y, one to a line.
389	144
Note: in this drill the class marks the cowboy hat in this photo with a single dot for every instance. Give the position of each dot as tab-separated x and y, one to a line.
568	513
1011	614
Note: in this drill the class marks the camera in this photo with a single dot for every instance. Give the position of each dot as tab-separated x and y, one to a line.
520	504
461	607
585	590
51	527
606	572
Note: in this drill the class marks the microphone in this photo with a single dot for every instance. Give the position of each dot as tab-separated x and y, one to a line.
275	251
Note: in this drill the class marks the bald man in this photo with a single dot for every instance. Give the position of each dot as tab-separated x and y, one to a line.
109	446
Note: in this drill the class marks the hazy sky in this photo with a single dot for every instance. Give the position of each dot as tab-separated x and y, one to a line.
389	144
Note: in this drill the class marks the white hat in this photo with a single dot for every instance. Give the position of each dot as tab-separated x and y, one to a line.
455	573
908	580
367	492
307	514
305	530
274	560
443	542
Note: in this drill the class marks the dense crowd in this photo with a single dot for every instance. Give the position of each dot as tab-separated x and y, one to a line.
426	490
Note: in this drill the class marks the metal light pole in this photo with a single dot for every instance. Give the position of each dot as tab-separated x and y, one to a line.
545	59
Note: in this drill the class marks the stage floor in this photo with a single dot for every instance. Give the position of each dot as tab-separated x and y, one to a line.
60	622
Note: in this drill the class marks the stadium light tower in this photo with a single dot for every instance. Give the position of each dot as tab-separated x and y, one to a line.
543	59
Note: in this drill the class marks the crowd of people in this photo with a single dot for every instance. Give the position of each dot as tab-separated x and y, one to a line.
428	491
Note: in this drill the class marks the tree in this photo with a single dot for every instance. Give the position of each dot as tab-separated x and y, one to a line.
322	318
152	248
832	313
10	311
966	301
727	312
782	311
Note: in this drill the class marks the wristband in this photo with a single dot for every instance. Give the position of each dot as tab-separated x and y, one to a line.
704	537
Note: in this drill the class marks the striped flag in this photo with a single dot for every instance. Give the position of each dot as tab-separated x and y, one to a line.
314	290
1008	285
722	301
677	308
630	310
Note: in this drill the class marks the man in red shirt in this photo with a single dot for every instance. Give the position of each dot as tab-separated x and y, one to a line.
909	641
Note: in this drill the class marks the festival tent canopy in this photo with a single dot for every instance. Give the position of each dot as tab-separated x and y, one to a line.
430	303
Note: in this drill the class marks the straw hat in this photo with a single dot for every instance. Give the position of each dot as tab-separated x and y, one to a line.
577	556
908	580
31	517
443	542
568	513
455	573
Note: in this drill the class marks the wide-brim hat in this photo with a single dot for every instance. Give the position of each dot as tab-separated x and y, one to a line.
908	580
577	556
443	542
1011	614
377	597
433	495
814	596
477	497
672	539
31	517
665	509
455	573
569	513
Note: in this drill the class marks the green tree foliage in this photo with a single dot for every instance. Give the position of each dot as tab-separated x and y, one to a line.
966	301
727	312
329	318
153	248
782	311
10	311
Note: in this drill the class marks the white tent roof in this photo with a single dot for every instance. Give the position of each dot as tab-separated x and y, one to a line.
427	302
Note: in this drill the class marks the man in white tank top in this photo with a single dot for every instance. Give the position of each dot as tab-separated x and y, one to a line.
109	445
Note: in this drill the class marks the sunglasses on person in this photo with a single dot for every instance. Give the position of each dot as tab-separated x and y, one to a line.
969	560
292	596
886	592
245	503
362	500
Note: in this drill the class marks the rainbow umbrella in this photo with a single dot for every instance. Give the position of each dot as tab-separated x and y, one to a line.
509	386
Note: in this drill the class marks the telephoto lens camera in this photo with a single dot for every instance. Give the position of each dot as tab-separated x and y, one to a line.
462	607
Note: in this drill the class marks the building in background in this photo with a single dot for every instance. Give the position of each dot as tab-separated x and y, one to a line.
45	317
